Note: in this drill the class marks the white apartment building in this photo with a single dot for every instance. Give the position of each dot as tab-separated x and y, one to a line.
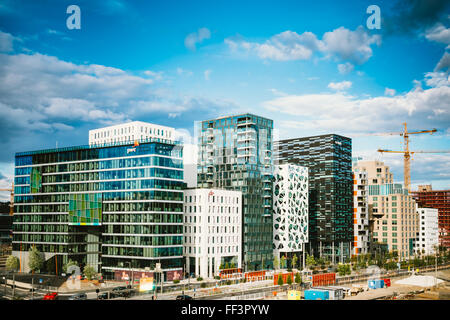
290	209
130	131
212	230
360	214
427	236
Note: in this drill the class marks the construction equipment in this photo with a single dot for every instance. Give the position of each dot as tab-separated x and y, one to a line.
11	202
407	153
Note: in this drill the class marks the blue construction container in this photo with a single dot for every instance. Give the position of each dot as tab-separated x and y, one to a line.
376	284
317	295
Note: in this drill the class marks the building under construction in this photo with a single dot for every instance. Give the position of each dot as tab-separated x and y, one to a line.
426	197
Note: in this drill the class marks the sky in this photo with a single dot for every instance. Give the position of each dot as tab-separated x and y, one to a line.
314	67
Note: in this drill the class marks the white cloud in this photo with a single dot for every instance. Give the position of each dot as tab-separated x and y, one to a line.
278	92
437	79
207	73
194	38
340	86
389	92
438	33
353	46
444	63
155	75
182	71
6	42
345	68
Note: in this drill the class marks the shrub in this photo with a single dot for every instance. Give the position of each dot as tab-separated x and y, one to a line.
217	277
199	279
203	285
176	281
289	280
280	280
298	278
228	282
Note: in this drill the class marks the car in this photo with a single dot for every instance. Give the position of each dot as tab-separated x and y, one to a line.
183	297
78	296
104	295
51	296
121	291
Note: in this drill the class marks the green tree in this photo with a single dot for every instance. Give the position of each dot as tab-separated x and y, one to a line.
221	266
294	261
289	280
35	259
298	278
227	265
283	262
280	280
12	263
89	272
233	265
276	263
310	261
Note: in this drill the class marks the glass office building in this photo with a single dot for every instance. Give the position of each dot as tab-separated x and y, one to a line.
328	158
235	153
113	206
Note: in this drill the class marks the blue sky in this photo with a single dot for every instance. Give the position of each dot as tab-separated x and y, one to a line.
312	67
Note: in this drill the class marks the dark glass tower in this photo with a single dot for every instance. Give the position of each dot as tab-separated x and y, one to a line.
113	207
328	158
235	153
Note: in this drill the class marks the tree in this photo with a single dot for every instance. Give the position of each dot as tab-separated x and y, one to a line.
227	265
221	266
283	262
280	280
298	278
310	261
35	259
12	263
89	272
289	280
276	263
233	265
294	261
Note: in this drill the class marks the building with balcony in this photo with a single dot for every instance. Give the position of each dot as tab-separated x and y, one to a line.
113	207
235	153
328	159
392	210
290	211
212	230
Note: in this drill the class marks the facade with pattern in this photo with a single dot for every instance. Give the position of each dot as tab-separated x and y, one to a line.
328	158
235	153
114	207
290	209
361	219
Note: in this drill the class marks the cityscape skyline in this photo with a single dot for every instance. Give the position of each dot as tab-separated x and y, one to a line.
302	65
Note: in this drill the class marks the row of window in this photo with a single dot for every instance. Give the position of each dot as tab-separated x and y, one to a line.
143	241
143	218
143	229
143	252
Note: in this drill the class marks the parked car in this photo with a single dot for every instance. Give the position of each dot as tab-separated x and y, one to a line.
183	297
78	296
51	296
104	295
121	291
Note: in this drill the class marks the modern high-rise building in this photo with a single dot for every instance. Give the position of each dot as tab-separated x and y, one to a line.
360	214
113	207
395	220
212	230
235	153
426	197
427	236
290	211
329	160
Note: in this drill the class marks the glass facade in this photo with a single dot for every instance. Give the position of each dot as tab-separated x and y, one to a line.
329	159
235	153
112	207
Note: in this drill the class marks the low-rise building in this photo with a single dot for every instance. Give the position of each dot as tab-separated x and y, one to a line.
212	230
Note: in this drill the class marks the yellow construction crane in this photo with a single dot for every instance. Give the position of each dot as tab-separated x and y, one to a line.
407	153
11	202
